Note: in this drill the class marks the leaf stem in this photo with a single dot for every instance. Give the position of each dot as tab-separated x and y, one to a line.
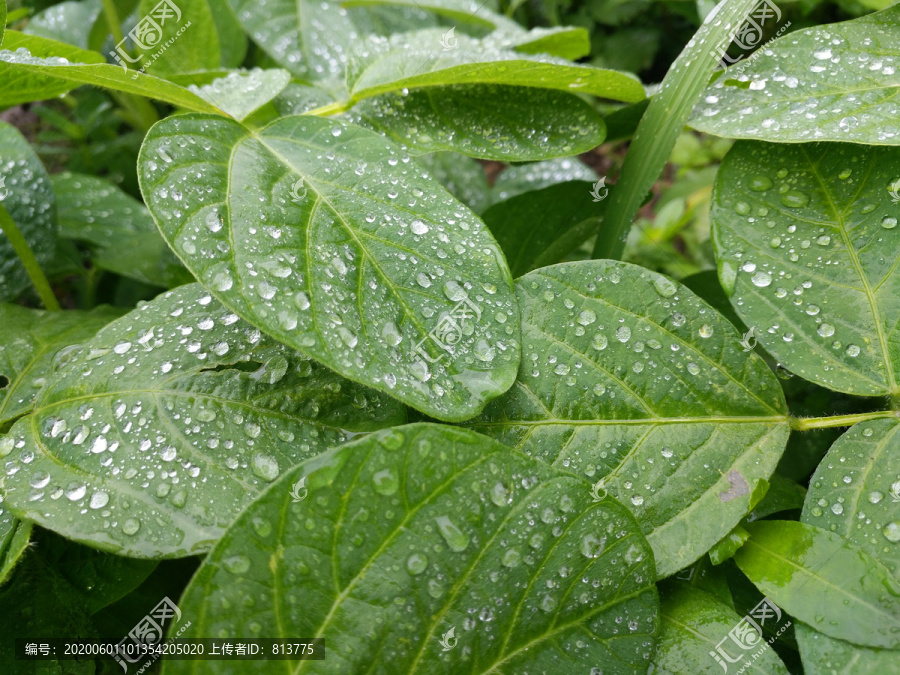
806	423
26	255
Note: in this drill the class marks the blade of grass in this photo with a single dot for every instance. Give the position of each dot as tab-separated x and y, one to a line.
26	255
665	118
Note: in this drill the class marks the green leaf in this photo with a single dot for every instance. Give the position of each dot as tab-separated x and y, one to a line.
726	548
855	493
478	121
462	176
783	495
14	537
326	237
70	22
472	12
664	121
807	248
631	380
152	436
823	580
825	83
186	39
694	624
232	41
427	533
29	341
240	94
539	228
414	60
27	196
119	229
518	179
49	68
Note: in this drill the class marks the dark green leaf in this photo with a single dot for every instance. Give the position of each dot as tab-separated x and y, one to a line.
462	176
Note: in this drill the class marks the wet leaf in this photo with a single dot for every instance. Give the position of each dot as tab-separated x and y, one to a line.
331	240
807	247
462	176
824	83
150	438
479	122
633	382
540	227
29	341
694	624
26	194
48	68
118	228
529	177
242	93
414	60
455	553
855	493
825	581
71	22
14	537
187	39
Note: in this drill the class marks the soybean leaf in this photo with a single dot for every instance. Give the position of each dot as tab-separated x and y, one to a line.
152	436
186	40
14	537
855	493
825	581
518	179
631	380
478	121
27	196
70	22
232	40
694	624
825	83
482	14
327	237
119	229
462	176
47	66
539	228
29	341
414	60
241	94
807	249
430	536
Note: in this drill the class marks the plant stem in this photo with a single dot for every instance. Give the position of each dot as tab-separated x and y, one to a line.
805	423
26	255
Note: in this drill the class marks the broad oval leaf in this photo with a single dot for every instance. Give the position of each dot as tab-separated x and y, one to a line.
807	246
27	196
240	94
632	381
855	493
426	549
478	121
330	239
823	580
825	83
152	436
118	228
417	59
694	625
29	340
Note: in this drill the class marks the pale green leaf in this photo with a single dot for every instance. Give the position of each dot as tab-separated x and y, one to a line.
824	83
151	437
70	22
14	534
528	177
479	121
240	94
27	195
118	228
420	550
330	239
824	581
855	492
632	381
807	247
